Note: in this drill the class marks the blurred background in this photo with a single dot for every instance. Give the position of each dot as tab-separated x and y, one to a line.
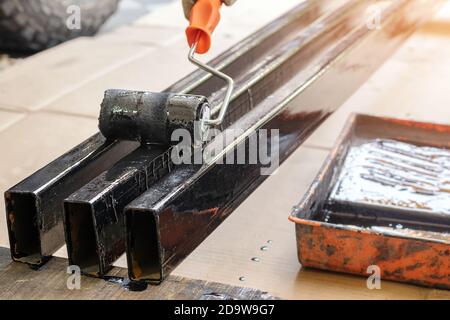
127	12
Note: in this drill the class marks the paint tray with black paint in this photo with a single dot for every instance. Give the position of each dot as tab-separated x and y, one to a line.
382	198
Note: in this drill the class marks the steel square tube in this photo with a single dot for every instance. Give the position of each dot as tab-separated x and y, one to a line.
34	206
94	222
178	212
87	210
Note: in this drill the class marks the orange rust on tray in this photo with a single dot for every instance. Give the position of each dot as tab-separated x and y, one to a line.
419	125
351	248
418	261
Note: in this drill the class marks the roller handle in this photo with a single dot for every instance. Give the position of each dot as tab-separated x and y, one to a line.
205	16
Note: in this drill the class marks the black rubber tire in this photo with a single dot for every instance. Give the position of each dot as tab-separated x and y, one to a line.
30	26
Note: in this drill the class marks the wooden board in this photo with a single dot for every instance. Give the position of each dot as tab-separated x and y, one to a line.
19	281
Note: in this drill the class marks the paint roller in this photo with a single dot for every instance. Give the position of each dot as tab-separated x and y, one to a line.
152	117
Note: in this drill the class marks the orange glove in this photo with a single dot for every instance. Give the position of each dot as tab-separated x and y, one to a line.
203	19
188	4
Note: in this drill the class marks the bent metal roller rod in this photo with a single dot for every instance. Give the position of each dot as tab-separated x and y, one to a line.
118	195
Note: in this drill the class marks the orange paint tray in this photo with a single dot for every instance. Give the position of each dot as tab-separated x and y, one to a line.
381	198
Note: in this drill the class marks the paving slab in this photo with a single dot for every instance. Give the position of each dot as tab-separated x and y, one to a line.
41	78
130	10
153	71
140	35
413	84
8	118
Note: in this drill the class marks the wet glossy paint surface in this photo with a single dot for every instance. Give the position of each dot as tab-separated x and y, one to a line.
393	173
288	95
365	208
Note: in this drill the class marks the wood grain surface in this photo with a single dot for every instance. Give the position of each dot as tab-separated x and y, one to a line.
19	281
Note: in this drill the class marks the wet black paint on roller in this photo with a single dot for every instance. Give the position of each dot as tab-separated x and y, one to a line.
149	117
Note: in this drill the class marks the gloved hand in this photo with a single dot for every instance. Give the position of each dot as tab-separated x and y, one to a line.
188	4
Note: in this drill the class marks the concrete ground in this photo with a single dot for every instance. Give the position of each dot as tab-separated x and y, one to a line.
131	10
128	12
50	102
7	61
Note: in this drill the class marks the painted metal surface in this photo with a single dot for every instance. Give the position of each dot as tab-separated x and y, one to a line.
289	76
34	206
149	117
94	223
353	238
330	247
94	213
177	213
387	179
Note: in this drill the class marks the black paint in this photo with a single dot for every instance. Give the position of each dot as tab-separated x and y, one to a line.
149	117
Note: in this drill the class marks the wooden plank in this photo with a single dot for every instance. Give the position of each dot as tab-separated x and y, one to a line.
19	281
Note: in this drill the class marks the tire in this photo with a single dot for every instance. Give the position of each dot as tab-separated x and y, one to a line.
30	26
